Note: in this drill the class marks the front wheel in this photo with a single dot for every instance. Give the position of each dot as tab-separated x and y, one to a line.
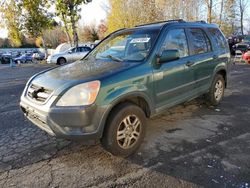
217	90
61	61
125	130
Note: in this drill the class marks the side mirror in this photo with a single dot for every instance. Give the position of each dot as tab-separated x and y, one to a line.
168	55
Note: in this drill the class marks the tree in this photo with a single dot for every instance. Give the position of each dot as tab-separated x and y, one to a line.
209	4
89	33
10	12
68	10
228	19
242	4
1	42
37	18
102	29
54	37
130	13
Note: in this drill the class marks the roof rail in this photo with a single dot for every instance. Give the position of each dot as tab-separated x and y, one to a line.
201	21
167	21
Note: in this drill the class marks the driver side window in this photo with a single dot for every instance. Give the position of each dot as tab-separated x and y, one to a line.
176	40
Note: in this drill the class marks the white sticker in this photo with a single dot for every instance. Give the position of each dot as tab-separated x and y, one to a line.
140	40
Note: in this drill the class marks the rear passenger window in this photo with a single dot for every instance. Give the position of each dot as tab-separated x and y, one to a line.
219	38
199	42
176	40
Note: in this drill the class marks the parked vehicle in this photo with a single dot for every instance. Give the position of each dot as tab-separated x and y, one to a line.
246	57
38	56
25	58
5	58
233	42
109	94
71	55
242	46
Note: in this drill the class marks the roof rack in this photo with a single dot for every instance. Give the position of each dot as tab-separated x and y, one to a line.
167	21
201	21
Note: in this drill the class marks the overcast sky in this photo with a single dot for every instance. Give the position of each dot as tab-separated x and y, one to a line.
92	12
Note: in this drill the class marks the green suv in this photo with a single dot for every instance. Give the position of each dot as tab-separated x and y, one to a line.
132	75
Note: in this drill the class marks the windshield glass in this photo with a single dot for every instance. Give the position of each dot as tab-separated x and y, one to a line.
72	49
131	45
246	39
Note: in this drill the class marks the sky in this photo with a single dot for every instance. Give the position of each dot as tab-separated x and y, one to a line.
90	13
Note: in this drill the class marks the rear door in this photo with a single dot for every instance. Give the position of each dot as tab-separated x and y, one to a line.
77	54
173	81
203	58
81	52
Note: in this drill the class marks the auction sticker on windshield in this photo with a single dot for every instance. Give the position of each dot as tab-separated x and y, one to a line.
140	40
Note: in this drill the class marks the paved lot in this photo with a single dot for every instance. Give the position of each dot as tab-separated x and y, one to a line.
191	145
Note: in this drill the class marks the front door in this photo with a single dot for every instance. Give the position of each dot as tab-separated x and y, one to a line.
174	81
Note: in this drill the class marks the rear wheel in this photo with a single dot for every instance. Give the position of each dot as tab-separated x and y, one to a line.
216	92
28	61
125	130
61	61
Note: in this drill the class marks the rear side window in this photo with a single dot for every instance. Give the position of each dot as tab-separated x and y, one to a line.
199	42
85	49
176	40
219	38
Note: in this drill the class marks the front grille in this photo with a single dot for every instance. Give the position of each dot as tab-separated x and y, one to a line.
38	93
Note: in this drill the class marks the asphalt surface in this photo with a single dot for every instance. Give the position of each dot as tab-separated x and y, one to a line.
191	145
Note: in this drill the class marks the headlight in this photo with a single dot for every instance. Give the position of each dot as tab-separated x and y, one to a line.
80	95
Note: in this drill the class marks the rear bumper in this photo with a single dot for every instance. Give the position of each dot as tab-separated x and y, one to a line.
75	123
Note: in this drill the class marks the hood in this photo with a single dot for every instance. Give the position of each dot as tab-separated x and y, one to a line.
80	71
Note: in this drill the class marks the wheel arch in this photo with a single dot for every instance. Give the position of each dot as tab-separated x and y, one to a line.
223	72
61	57
137	98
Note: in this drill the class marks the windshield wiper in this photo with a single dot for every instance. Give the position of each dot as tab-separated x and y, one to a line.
114	58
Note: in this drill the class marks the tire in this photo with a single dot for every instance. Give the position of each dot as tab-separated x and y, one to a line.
130	137
61	61
28	61
217	89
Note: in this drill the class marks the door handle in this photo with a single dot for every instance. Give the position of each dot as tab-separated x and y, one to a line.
189	63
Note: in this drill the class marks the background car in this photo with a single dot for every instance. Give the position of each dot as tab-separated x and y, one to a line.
239	42
243	46
246	57
5	58
25	58
71	55
38	56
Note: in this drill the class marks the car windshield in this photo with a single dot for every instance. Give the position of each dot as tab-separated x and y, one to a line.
246	39
132	45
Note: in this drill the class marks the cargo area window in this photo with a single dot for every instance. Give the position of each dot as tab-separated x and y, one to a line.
199	42
219	38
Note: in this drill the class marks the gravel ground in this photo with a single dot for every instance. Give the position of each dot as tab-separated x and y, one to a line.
190	145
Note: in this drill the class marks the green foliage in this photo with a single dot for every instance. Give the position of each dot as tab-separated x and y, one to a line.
130	13
88	33
10	11
68	11
36	17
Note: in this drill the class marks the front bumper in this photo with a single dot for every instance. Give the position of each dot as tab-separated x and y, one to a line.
51	60
65	122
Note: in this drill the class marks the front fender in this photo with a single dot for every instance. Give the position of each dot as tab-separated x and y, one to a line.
126	92
122	93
